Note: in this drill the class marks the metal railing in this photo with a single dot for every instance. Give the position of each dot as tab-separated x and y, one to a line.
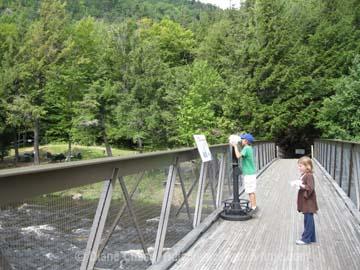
341	159
119	212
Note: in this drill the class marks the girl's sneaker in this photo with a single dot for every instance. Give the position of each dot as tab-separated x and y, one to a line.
301	242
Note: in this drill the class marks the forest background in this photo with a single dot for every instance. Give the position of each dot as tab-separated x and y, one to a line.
150	74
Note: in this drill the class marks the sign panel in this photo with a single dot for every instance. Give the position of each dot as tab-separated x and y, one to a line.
203	148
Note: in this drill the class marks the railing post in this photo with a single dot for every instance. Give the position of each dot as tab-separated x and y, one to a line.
351	167
220	181
165	213
324	155
341	164
212	179
327	157
330	158
266	153
262	155
312	151
335	160
258	156
229	168
200	194
90	254
357	180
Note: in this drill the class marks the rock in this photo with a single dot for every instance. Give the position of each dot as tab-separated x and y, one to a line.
77	196
38	230
23	206
153	220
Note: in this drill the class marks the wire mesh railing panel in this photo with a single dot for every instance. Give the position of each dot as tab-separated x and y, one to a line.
227	184
182	211
342	161
49	231
354	186
209	199
256	157
346	164
338	162
124	249
357	175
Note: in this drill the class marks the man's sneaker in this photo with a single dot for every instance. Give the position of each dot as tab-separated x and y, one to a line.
301	242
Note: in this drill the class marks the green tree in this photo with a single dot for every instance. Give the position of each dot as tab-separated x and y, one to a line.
200	110
340	114
42	45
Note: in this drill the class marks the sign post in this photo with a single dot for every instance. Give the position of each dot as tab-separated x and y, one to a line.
206	156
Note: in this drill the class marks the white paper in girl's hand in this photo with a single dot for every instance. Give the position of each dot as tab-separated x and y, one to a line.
296	183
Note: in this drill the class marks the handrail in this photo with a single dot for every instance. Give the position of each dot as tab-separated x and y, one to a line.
337	140
14	183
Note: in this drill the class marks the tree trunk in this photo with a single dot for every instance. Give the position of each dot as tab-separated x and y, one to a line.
68	158
16	148
106	141
140	144
24	141
36	142
107	145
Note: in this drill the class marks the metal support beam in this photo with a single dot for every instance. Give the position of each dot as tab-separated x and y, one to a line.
165	213
200	194
117	218
187	197
97	228
132	215
184	194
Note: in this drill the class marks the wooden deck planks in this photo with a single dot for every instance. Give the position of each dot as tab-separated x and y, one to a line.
268	241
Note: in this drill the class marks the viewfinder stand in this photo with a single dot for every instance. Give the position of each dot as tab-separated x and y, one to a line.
236	209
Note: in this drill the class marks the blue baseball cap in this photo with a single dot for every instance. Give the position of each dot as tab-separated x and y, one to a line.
248	137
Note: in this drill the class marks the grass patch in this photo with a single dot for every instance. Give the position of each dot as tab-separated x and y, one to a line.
87	152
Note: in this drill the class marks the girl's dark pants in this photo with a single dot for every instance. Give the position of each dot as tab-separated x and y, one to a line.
309	228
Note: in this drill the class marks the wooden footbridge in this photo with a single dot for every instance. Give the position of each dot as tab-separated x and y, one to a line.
268	241
161	211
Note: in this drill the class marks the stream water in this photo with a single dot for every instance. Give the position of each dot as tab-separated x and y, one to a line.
36	237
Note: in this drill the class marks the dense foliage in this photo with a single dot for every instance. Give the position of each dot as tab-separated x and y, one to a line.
152	73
